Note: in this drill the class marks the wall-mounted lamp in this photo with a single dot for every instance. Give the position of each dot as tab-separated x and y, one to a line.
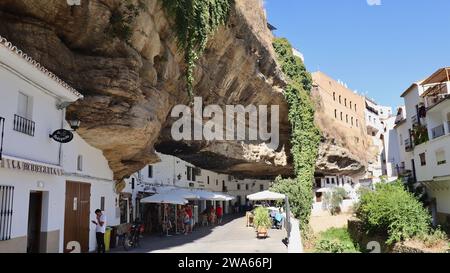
74	124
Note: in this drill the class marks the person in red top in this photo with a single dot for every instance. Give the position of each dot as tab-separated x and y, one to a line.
191	222
219	214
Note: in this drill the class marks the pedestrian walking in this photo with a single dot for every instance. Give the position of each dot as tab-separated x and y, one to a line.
219	214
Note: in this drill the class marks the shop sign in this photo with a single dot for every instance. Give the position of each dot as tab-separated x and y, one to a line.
29	167
62	136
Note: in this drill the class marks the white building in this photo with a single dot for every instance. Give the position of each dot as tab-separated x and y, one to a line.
43	205
376	132
328	183
424	139
173	172
432	157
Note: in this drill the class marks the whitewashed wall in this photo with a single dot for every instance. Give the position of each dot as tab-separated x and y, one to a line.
44	113
53	204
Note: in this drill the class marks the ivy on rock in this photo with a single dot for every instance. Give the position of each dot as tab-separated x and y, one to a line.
305	136
195	21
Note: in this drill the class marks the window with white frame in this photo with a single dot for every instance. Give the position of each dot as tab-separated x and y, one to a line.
25	106
440	157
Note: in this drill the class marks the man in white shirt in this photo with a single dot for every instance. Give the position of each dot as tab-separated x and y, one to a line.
100	230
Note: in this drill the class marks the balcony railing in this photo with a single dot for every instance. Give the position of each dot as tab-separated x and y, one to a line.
438	131
408	145
24	125
414	120
2	131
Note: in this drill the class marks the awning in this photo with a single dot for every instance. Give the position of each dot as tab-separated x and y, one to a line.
173	195
165	198
266	196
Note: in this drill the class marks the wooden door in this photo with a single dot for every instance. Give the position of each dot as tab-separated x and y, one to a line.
77	209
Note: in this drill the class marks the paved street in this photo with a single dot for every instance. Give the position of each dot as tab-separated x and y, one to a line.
230	237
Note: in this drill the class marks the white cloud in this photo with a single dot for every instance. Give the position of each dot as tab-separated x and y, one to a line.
374	2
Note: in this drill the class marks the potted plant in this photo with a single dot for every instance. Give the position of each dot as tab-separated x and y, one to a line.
262	221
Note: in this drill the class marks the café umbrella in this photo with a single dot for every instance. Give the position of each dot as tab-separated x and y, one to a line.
266	196
170	197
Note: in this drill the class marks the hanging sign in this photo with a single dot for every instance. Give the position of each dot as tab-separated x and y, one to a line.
62	136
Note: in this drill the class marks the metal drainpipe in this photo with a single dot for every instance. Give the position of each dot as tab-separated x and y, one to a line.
63	116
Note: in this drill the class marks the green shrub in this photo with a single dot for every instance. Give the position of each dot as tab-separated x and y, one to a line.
328	246
392	210
335	240
333	200
434	238
262	218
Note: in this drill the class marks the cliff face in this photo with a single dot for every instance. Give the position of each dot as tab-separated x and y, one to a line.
130	88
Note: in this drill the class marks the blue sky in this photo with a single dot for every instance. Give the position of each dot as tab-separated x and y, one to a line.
380	50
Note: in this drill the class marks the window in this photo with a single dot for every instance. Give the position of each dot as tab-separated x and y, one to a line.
346	118
357	123
261	187
332	181
423	160
102	203
246	187
150	171
239	187
350	104
217	182
22	120
342	116
355	107
352	121
335	113
334	96
440	157
191	173
207	179
328	180
6	211
340	99
80	163
25	106
345	102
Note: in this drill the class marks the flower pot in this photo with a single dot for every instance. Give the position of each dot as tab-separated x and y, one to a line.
262	232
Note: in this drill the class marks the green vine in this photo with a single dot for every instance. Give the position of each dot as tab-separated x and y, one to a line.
122	18
195	21
305	136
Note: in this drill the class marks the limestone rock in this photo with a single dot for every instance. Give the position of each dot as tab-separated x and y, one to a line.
130	88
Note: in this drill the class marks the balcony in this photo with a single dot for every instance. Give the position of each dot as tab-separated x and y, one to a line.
435	94
23	125
438	131
408	145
